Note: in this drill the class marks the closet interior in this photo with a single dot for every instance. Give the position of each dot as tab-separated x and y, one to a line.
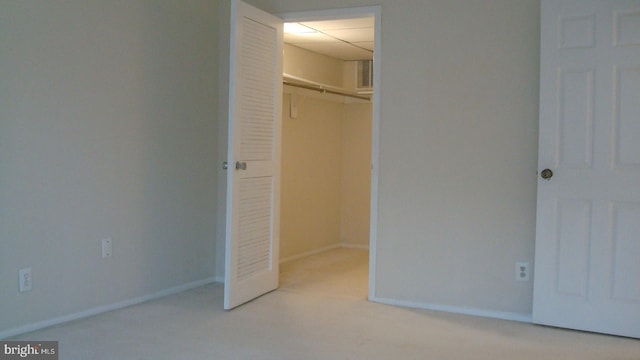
326	138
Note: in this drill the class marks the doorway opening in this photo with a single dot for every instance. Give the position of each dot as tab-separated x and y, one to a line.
329	152
252	216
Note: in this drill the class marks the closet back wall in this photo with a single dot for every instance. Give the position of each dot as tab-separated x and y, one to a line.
311	156
326	155
355	193
312	66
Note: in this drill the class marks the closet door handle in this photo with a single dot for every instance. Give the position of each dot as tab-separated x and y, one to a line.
241	165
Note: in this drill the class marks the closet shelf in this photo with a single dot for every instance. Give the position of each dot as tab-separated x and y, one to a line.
296	81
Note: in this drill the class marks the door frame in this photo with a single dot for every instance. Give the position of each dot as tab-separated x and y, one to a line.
336	14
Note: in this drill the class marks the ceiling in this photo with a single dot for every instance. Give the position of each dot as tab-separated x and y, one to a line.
345	39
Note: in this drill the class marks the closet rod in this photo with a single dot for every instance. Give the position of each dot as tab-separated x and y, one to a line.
296	81
325	90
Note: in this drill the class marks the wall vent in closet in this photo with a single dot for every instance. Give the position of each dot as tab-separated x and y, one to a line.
364	75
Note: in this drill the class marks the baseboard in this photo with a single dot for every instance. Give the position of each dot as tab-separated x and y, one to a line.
309	253
354	246
457	310
102	309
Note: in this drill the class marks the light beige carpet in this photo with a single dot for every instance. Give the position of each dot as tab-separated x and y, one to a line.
320	312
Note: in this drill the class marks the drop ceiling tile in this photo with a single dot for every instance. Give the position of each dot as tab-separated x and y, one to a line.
369	45
351	35
338	50
341	24
305	38
358	31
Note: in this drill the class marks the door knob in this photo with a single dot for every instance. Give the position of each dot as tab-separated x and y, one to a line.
546	174
241	165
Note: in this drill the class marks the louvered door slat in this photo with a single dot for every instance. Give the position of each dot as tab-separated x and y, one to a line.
257	105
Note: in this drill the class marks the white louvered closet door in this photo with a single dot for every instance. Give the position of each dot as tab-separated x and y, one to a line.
253	193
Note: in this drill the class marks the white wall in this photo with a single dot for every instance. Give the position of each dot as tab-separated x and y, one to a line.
355	164
107	129
312	66
458	145
310	215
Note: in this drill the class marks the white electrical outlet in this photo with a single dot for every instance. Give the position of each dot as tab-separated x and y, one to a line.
522	271
24	276
107	248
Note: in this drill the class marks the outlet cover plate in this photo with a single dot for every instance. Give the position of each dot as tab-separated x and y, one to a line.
522	271
107	248
25	280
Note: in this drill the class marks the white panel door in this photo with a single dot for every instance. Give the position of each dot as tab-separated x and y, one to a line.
587	265
253	179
